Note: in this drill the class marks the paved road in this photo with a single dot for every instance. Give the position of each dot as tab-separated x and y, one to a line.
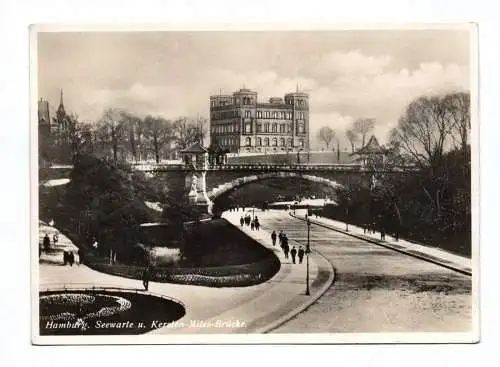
377	289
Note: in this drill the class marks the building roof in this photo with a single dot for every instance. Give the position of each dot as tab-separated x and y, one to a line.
372	147
195	148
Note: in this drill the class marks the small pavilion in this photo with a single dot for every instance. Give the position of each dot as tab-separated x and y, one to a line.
371	155
195	156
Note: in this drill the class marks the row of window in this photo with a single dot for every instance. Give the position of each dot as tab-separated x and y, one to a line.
280	115
260	128
227	128
250	101
272	142
259	142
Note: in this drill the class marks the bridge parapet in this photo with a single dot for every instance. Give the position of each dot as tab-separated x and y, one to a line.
261	167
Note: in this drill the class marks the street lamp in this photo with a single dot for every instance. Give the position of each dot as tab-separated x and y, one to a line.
347	215
308	250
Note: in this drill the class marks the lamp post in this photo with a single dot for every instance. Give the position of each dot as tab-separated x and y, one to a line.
347	215
308	250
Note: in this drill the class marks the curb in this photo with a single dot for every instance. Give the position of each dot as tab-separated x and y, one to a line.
331	279
290	315
388	246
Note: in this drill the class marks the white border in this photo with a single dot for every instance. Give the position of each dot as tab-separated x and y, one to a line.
338	338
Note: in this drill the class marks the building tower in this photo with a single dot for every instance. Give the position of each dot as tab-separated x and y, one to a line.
241	124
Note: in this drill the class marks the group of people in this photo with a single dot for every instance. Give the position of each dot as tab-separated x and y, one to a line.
68	256
46	241
283	241
248	221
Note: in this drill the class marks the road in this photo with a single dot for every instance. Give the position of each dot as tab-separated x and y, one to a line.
376	289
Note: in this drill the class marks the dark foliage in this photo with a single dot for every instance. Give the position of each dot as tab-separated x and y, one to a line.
432	207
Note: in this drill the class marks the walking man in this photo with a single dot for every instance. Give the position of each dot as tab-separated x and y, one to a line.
284	244
242	221
146	276
301	254
46	242
280	237
257	224
273	237
252	225
293	252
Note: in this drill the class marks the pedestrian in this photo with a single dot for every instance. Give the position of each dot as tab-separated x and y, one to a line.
242	221
301	254
252	225
146	277
280	237
257	223
293	252
46	242
382	234
273	237
80	256
71	258
284	245
65	257
55	239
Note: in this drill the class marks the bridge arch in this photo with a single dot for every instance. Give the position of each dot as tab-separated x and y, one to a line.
230	185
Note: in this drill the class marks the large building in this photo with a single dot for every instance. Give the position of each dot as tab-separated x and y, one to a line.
242	124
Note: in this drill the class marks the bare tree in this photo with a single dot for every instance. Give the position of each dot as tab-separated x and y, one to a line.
160	132
188	131
363	127
353	137
326	135
424	131
458	106
131	124
111	130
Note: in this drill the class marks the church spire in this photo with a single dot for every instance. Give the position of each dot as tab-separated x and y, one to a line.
61	113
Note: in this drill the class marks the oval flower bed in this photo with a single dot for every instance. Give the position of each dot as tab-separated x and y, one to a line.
93	312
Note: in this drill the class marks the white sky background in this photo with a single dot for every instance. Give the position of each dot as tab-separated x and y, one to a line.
348	74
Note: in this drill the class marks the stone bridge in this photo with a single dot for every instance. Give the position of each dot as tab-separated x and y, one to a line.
200	185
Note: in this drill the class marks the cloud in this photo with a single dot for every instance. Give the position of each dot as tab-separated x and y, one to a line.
175	77
352	63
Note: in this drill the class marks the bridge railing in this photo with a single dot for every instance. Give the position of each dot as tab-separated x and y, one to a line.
276	167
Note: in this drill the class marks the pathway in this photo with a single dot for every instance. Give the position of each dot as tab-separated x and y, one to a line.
258	308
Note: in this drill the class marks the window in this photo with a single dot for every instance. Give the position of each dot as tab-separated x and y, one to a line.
274	127
266	142
259	128
248	142
248	128
290	143
266	127
275	142
267	114
248	114
288	128
259	114
301	142
282	142
259	142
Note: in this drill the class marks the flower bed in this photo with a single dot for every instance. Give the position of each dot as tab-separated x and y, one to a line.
222	276
99	312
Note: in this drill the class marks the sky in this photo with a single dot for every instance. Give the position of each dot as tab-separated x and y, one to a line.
348	74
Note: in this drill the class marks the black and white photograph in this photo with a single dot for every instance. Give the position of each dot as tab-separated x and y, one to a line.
271	185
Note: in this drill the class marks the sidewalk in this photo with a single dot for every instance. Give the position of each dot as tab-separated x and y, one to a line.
261	308
431	254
